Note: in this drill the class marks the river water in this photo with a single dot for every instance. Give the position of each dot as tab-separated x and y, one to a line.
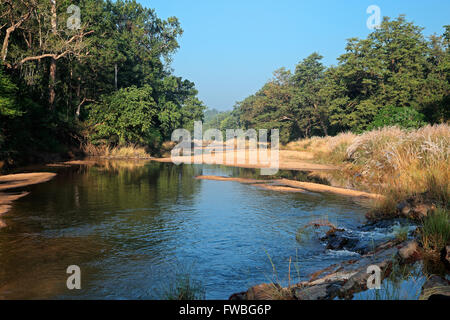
134	228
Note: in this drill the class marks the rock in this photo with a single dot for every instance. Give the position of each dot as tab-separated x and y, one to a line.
436	288
410	252
358	282
341	240
326	291
415	208
404	208
333	230
238	296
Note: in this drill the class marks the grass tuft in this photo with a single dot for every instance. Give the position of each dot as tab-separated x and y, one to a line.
119	152
184	288
435	231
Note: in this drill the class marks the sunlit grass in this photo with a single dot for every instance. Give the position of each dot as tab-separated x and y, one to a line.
118	152
394	162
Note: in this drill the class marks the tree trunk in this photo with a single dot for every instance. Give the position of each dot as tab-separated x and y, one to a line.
115	76
322	123
324	127
52	75
9	30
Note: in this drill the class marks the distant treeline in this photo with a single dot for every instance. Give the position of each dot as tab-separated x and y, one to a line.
394	77
95	72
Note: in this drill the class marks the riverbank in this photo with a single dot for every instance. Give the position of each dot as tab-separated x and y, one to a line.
15	181
409	171
397	262
288	160
286	185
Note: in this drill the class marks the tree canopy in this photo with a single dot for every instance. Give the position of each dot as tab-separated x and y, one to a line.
395	76
101	73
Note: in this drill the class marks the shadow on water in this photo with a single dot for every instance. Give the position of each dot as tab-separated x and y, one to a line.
129	224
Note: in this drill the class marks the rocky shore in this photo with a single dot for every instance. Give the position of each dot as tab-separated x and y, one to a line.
344	280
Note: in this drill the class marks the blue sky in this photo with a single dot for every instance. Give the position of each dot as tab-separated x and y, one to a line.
231	47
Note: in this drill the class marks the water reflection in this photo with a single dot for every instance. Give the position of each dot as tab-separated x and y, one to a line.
130	225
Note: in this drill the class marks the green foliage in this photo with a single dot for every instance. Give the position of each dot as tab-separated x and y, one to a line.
404	117
8	91
394	66
183	287
220	120
117	63
126	116
401	233
436	230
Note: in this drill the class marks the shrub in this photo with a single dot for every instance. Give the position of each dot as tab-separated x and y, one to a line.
404	117
436	230
129	115
184	288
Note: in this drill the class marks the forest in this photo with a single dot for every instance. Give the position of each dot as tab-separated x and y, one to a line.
99	74
396	76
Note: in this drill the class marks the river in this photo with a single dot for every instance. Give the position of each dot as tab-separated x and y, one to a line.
134	227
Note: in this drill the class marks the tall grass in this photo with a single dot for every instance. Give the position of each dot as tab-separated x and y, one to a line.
395	162
275	289
118	152
435	231
183	287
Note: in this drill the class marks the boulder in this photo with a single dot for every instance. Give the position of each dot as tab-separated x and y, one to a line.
326	291
436	288
415	208
342	240
238	296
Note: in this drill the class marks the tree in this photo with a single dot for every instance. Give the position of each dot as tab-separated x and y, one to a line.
394	70
308	103
120	50
127	116
8	91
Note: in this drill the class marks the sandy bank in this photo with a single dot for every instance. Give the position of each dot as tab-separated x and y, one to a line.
240	180
13	181
285	185
315	187
288	160
278	188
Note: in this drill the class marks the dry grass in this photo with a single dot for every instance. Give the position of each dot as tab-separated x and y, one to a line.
391	161
119	152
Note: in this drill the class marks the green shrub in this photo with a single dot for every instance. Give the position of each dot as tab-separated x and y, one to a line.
436	230
404	117
184	288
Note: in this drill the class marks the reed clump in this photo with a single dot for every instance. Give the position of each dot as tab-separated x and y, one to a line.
395	162
116	152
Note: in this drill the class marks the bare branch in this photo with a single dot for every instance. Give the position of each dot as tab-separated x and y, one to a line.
10	30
